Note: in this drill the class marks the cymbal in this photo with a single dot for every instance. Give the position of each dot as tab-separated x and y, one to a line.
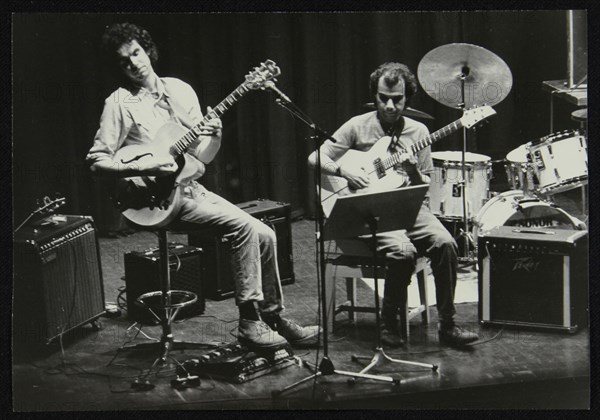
408	111
488	79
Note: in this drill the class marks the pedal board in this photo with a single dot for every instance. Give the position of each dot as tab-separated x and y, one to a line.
237	363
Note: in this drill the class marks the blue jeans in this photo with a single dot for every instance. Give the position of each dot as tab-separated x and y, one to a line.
253	245
427	237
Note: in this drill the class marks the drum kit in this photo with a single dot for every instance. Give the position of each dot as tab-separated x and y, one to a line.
463	76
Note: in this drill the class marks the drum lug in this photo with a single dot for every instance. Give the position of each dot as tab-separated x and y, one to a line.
538	161
443	175
442	208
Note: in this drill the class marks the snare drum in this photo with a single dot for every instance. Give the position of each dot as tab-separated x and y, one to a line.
519	171
514	208
445	191
560	161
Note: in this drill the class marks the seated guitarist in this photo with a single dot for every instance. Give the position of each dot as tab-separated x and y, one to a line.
132	115
392	85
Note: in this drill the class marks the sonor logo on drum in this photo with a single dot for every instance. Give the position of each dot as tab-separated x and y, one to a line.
528	264
536	222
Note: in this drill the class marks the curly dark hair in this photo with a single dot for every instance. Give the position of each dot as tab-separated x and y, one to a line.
118	34
391	73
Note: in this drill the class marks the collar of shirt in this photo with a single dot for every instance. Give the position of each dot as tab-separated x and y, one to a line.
157	95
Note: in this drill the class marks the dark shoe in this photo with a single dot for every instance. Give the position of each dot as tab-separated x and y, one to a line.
391	338
297	335
257	334
455	336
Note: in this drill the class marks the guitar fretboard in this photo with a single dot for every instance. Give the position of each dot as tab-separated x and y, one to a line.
394	158
181	145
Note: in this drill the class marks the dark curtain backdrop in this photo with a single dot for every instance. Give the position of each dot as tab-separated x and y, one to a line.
326	58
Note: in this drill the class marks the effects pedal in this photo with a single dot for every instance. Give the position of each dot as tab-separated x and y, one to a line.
237	363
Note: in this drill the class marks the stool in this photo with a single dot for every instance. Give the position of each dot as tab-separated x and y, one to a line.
168	303
353	267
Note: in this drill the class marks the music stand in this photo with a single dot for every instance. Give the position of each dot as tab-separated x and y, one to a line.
362	214
369	214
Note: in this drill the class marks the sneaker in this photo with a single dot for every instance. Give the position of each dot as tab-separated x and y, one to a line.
455	336
391	337
257	334
296	334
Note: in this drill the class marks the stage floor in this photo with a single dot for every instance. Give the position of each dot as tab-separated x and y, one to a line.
507	368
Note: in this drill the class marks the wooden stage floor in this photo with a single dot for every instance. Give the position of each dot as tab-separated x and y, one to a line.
507	368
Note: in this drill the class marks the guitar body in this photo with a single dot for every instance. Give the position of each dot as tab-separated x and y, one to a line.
333	187
151	201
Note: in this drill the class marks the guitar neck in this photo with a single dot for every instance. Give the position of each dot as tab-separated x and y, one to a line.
394	159
180	146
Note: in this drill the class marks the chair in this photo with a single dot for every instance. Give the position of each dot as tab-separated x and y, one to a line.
355	262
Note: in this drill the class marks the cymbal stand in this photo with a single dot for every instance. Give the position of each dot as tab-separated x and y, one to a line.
467	240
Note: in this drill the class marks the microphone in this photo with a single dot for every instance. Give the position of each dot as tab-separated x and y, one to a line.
270	85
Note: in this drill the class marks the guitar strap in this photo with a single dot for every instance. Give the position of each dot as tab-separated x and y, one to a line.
397	128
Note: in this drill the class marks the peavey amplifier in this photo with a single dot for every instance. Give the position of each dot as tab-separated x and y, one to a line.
142	275
218	279
57	279
533	277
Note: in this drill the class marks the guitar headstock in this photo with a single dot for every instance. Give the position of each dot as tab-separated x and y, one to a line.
48	205
265	72
472	117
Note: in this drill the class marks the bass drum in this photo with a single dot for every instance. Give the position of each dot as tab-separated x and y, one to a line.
514	208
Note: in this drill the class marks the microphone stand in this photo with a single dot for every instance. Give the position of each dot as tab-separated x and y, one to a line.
326	366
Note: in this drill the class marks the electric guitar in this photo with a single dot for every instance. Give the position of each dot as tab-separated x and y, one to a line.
379	163
151	201
46	206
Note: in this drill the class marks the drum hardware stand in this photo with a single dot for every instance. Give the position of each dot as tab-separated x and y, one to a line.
326	366
467	256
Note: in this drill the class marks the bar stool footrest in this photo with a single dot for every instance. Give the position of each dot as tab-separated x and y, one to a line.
177	298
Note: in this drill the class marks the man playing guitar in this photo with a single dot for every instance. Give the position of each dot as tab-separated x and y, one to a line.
132	118
392	85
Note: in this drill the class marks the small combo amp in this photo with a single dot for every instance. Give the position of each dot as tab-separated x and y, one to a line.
142	275
57	278
218	279
533	277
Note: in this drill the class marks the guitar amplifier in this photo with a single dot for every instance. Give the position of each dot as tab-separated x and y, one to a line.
57	279
142	275
533	277
218	279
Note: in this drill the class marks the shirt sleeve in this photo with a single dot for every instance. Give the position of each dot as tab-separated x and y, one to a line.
344	137
111	133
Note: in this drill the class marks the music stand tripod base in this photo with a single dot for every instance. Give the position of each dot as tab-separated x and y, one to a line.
380	358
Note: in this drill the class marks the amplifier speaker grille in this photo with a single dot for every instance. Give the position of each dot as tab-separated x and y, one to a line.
58	282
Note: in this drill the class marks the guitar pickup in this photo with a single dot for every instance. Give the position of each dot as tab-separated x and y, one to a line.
379	168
